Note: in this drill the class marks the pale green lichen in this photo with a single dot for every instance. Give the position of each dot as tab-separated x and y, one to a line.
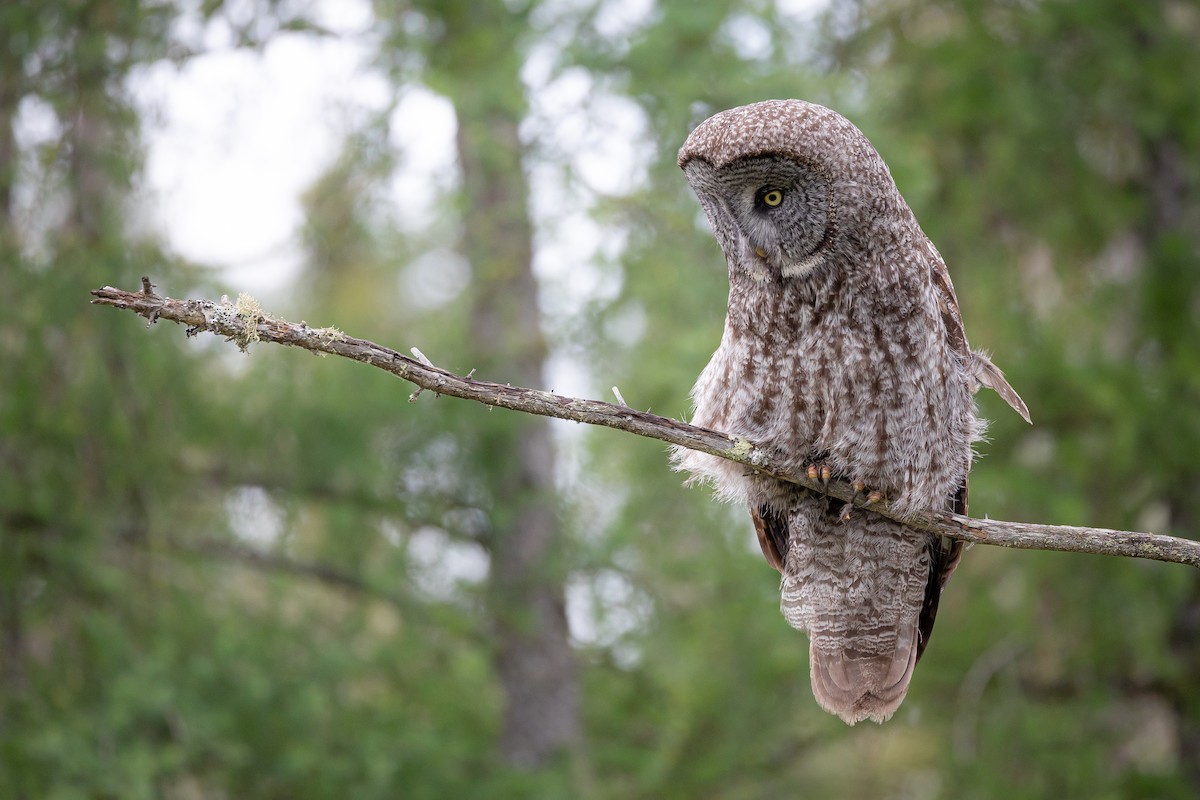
241	317
325	337
742	450
250	313
328	335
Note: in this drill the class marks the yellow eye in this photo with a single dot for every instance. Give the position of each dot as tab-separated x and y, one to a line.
772	197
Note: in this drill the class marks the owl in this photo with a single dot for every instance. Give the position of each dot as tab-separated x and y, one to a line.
844	354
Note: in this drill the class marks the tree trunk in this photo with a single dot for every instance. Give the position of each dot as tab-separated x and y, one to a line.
533	655
1167	190
12	648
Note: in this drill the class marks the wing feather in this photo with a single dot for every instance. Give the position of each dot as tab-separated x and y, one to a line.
980	368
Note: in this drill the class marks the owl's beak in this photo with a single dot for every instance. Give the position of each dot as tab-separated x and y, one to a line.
763	263
755	260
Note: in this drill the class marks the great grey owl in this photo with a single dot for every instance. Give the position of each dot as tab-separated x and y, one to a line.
845	353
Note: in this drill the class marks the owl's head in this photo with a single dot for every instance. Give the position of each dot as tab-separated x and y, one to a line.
787	185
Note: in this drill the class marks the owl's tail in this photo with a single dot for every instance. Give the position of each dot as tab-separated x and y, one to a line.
857	684
864	592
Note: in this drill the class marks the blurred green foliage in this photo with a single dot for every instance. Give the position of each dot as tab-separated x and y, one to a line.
223	577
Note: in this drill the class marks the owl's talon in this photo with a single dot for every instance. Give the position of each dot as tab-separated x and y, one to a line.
844	514
816	471
874	497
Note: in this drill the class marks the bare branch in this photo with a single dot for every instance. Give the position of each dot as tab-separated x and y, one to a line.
245	323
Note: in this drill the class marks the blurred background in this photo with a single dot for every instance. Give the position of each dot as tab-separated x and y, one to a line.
270	576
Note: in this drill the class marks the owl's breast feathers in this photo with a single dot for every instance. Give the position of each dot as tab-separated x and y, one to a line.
860	376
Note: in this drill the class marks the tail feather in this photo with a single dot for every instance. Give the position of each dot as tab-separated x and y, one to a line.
860	590
858	685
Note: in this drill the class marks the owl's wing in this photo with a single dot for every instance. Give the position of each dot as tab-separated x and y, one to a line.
988	374
772	530
947	301
979	367
944	557
946	552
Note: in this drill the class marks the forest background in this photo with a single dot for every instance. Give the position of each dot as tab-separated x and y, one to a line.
271	576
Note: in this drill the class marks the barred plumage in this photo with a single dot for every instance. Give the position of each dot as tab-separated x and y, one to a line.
843	346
